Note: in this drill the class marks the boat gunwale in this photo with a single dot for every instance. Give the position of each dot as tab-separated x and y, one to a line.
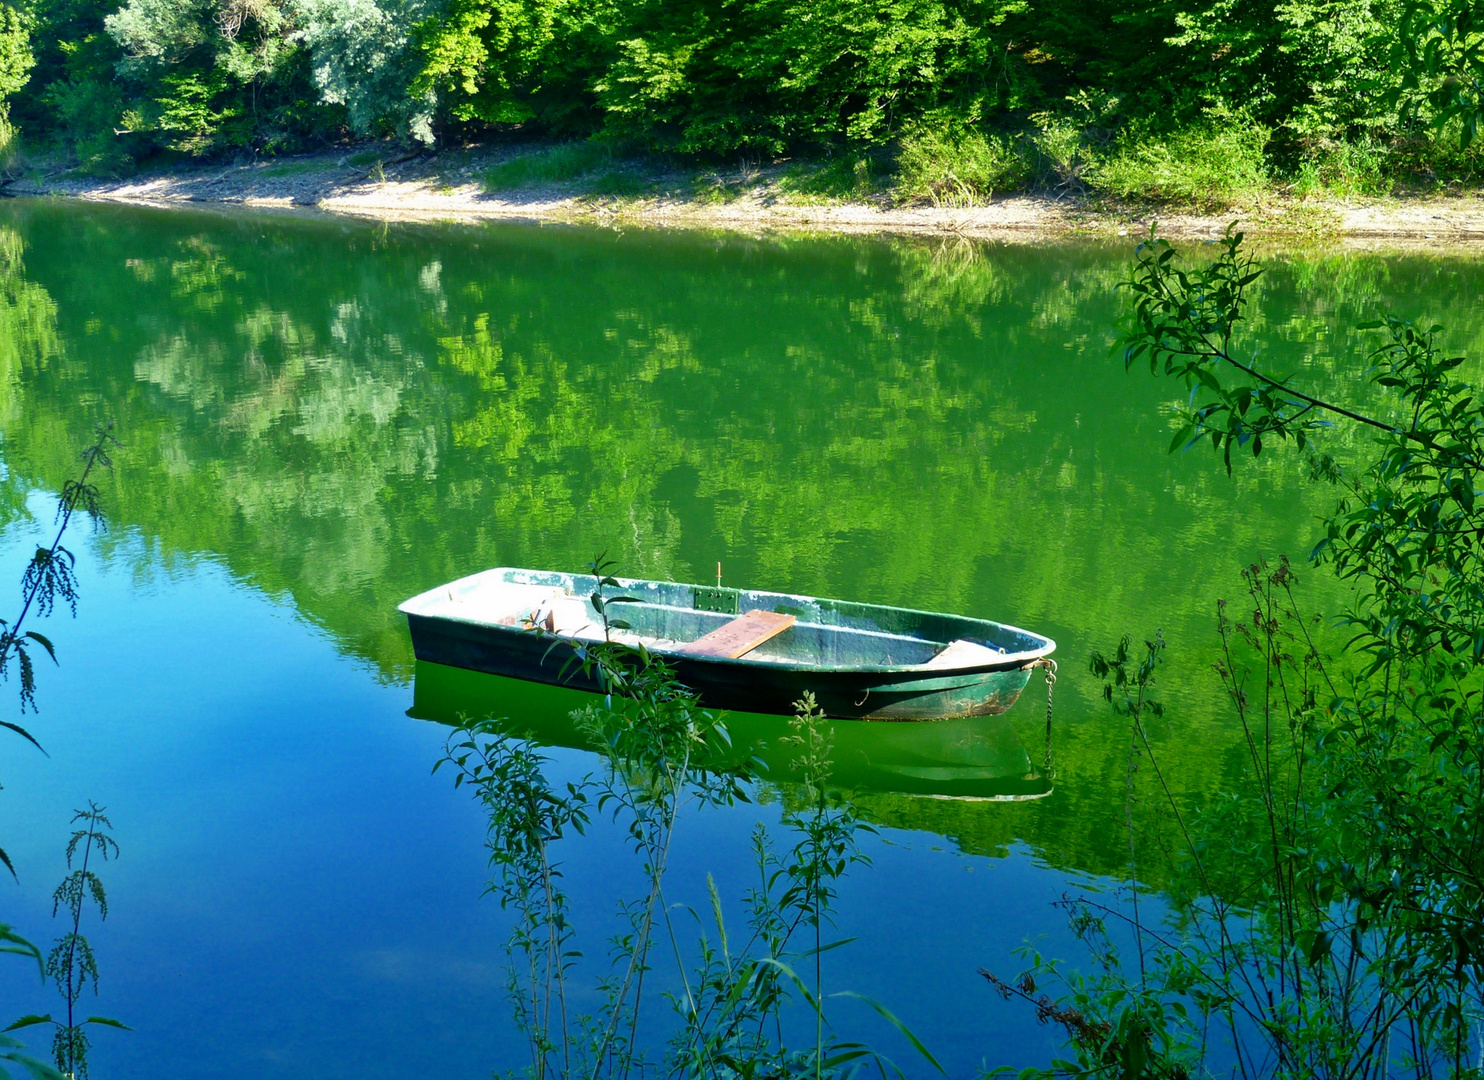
1007	662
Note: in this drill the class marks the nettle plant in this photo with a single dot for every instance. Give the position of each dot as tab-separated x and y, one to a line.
1325	916
664	755
71	964
49	580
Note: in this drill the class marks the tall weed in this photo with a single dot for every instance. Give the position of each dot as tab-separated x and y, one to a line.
663	755
557	165
1211	166
72	964
1063	155
1437	159
848	176
963	167
1324	916
1343	170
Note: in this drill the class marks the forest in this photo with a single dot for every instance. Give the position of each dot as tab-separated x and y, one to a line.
950	99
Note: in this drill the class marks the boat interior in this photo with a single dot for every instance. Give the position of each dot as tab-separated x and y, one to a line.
736	624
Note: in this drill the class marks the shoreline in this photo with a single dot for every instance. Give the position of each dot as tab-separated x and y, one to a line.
447	188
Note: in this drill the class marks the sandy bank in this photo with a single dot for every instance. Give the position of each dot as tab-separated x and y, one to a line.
449	187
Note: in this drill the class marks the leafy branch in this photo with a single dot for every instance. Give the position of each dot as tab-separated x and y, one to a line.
1183	322
1439	52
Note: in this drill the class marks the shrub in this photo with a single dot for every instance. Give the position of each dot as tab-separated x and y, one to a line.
556	165
1438	157
848	176
1344	169
1324	914
1210	166
1062	158
617	184
959	168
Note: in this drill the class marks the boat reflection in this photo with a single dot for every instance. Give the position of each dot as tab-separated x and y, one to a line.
977	758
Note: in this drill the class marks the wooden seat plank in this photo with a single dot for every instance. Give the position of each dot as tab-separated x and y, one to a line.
740	636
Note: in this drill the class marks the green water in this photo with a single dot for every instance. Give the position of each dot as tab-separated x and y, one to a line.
323	417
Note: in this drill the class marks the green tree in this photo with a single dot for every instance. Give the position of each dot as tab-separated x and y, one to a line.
1440	53
510	61
206	75
364	59
16	62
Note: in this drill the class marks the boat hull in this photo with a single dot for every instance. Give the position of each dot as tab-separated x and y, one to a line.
721	684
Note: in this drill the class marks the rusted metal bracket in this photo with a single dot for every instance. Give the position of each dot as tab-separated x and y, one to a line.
718	599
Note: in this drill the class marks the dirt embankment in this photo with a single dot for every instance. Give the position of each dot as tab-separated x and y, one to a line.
452	186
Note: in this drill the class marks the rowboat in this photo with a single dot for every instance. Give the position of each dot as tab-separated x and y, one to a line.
739	649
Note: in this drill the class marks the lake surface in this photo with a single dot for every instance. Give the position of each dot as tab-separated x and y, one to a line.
323	417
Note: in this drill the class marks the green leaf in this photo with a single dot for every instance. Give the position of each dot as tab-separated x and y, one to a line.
30	1020
23	733
39	1070
906	1032
1135	1048
792	976
853	1053
827	948
44	642
14	943
1210	380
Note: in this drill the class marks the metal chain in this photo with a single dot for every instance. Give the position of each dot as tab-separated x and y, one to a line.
1048	666
1050	670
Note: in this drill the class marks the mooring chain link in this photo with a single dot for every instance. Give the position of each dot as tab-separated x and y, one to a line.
1048	666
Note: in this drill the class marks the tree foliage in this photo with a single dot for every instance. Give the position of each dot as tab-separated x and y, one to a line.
1347	88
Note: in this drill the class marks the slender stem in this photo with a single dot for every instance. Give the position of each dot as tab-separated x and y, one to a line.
818	960
555	958
1319	403
659	849
1174	806
538	1034
1128	808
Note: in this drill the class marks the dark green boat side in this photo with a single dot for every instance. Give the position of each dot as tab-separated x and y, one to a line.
861	661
